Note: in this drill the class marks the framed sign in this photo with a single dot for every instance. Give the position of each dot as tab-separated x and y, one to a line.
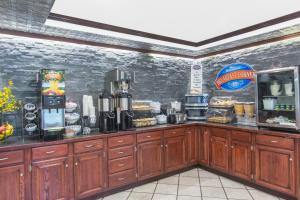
196	78
234	77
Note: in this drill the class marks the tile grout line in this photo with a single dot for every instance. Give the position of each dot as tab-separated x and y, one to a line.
129	193
249	192
154	190
223	187
199	183
178	186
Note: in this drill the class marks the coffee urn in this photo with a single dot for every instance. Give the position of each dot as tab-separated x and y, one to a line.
107	116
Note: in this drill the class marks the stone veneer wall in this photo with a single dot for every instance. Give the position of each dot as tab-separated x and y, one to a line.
159	78
275	55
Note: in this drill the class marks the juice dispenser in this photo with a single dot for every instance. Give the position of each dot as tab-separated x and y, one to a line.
52	104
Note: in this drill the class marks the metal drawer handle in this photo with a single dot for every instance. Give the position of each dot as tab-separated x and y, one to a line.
148	136
89	146
161	146
2	159
166	145
76	163
50	152
120	141
121	179
274	141
121	152
21	174
121	165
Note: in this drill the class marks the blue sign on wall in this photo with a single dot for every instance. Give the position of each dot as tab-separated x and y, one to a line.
234	77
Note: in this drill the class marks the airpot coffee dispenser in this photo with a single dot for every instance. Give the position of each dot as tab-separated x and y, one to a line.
126	113
107	116
52	104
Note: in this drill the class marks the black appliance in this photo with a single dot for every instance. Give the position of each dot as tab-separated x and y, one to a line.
126	113
107	116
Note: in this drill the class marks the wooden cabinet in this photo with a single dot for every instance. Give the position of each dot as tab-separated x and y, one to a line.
204	141
50	179
241	159
219	149
150	160
192	145
90	174
12	183
82	169
241	154
275	168
175	153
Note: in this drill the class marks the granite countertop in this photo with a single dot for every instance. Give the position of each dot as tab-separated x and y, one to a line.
15	143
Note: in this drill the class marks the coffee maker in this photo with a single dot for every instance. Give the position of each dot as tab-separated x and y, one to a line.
107	116
117	84
52	104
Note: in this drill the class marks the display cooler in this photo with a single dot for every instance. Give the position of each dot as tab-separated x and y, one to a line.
277	98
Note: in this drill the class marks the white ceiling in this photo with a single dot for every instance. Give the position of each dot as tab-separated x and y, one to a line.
192	20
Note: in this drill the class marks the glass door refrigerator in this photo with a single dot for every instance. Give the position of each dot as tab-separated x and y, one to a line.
277	98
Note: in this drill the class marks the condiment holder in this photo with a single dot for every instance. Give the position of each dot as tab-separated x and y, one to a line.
31	119
72	118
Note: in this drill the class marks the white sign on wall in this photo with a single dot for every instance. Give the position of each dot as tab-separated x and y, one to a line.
196	78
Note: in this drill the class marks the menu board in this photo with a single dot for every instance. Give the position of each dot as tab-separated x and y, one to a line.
53	82
196	78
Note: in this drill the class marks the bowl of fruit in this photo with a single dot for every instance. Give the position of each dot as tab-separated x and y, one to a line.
6	130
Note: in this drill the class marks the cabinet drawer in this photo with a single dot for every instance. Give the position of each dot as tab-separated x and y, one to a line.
275	141
88	146
220	132
122	178
49	151
11	157
121	140
120	152
144	137
241	136
120	164
174	132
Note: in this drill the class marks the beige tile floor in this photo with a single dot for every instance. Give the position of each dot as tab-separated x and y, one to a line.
196	184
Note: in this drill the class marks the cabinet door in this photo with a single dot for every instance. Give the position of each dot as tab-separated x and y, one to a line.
12	183
219	153
90	171
204	139
192	138
175	153
275	169
241	159
149	158
50	179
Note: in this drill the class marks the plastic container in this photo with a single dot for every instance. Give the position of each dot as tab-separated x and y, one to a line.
218	115
222	101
